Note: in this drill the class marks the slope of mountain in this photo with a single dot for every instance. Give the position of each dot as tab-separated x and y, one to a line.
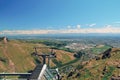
98	69
15	56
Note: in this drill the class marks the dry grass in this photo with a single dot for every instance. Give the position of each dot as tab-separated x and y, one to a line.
19	56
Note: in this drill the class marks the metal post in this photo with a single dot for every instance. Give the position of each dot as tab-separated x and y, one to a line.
48	62
44	59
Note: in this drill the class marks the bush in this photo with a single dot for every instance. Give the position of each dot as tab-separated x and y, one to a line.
79	54
108	74
3	59
1	38
78	67
58	63
67	49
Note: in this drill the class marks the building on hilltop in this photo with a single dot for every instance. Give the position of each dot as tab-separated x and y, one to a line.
5	40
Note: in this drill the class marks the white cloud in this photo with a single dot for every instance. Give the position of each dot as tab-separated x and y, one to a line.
108	26
106	29
78	26
91	25
68	27
28	31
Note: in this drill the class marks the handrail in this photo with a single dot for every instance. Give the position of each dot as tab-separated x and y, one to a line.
10	74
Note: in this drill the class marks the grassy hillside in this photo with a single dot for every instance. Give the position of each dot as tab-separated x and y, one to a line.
15	56
102	69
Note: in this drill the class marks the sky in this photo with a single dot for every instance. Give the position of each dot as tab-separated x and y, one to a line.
59	16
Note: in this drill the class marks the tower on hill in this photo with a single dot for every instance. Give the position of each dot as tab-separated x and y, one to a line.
5	40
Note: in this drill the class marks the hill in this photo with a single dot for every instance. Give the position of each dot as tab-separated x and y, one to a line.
15	56
97	69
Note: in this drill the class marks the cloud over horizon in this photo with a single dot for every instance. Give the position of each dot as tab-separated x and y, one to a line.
106	29
91	25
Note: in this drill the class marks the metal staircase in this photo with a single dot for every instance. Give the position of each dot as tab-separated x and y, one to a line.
41	72
36	72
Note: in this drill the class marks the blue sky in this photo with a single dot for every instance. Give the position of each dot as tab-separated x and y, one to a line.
54	15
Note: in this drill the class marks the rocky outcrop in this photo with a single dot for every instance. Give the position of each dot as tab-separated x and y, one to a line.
107	54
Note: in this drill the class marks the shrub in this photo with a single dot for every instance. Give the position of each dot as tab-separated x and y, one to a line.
58	63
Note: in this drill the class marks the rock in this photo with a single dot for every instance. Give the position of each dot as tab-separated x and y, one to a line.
107	54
